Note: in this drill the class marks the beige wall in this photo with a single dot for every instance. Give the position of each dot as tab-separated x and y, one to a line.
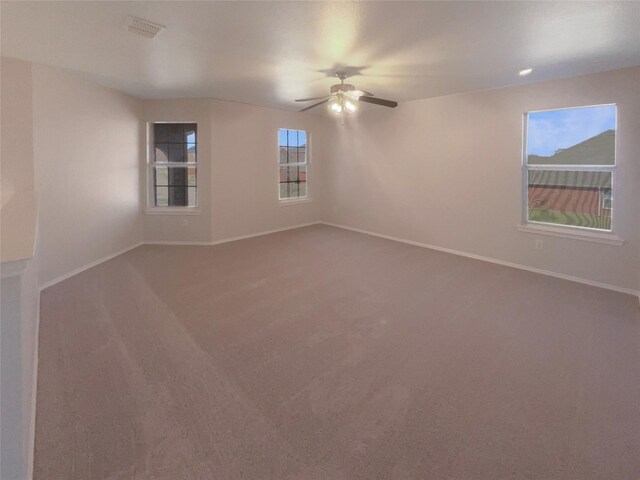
16	150
447	172
245	171
238	170
87	144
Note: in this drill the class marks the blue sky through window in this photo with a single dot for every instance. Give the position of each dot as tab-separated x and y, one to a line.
555	129
294	138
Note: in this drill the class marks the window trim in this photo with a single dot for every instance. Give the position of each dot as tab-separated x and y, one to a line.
294	200
151	207
588	236
575	232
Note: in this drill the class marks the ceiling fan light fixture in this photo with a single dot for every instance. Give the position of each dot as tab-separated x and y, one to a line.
350	107
341	104
335	106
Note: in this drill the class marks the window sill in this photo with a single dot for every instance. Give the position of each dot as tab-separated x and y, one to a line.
172	211
587	236
294	201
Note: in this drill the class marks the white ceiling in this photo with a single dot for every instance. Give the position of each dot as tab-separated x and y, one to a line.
268	53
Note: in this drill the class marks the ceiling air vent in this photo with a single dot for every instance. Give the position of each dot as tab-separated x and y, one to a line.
143	28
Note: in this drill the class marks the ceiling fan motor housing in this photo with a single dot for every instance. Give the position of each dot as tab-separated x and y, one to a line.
341	87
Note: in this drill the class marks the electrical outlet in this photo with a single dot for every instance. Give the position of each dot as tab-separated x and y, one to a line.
539	244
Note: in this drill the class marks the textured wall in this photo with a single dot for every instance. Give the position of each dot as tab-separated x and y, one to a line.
87	145
447	172
17	133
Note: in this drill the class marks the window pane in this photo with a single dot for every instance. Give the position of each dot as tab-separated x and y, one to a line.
191	176
178	196
177	152
292	146
290	180
298	154
190	131
191	152
575	198
162	196
192	196
161	133
178	176
174	132
572	136
291	154
284	154
282	137
161	153
161	176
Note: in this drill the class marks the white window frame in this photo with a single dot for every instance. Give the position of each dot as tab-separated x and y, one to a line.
152	208
554	229
307	163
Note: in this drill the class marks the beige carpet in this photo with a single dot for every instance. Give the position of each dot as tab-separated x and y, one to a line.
320	353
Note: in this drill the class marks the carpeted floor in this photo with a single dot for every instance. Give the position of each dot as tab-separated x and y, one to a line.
320	353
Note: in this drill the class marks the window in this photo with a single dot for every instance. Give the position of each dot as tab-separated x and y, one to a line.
569	166
174	165
293	157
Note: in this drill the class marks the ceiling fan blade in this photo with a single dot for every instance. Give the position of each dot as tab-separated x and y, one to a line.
310	98
378	101
356	94
315	105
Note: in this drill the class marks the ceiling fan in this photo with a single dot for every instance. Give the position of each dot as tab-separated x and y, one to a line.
343	98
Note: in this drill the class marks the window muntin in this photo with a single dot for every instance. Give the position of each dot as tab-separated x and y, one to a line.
569	166
174	165
293	153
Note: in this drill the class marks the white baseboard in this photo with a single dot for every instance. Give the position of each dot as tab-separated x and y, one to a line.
175	242
167	242
266	232
230	239
563	276
359	230
87	266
